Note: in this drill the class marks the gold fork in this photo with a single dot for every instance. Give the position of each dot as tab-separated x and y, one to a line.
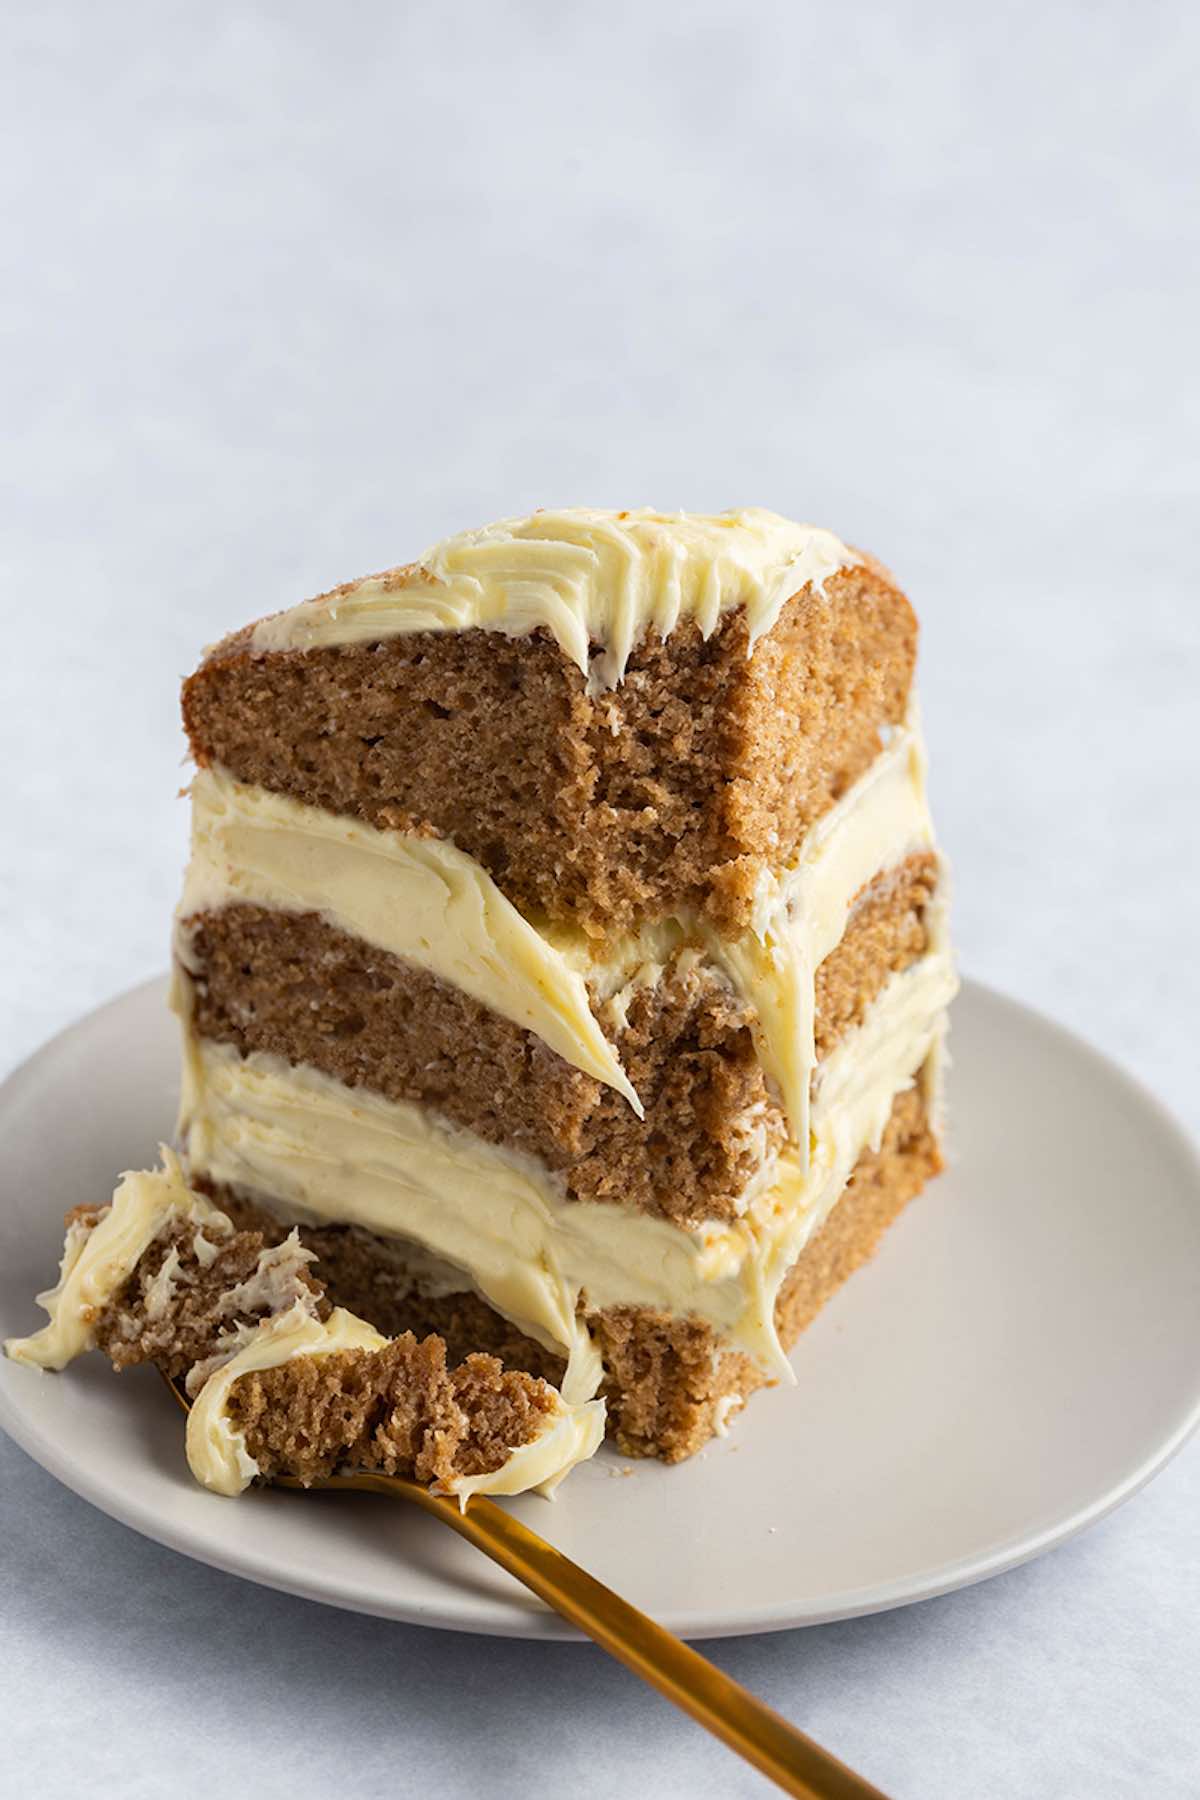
754	1730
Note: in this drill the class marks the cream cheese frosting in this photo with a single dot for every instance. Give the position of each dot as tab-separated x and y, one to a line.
596	580
99	1259
318	1150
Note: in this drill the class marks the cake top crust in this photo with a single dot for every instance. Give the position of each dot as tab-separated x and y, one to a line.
599	581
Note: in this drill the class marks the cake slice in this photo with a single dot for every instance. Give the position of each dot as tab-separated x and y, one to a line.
562	962
281	1382
563	948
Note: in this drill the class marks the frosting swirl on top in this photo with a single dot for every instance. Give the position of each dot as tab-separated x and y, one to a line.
598	581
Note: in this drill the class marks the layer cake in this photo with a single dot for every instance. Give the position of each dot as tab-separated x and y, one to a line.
563	948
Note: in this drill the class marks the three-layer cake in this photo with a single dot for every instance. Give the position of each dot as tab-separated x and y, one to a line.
563	946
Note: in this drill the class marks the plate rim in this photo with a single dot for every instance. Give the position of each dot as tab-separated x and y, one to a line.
539	1622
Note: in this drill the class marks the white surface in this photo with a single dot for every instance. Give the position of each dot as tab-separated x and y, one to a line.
290	292
1013	1368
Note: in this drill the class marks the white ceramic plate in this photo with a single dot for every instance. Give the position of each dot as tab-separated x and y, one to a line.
1021	1356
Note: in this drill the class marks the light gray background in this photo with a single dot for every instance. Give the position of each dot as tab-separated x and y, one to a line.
289	292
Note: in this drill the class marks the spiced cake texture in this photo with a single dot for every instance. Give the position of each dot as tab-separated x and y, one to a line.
704	767
399	1409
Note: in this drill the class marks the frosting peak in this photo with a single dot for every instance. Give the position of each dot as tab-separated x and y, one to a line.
592	578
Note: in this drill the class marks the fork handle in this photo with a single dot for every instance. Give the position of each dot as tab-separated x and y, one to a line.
795	1762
